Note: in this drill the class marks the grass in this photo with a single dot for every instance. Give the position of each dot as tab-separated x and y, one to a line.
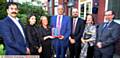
2	51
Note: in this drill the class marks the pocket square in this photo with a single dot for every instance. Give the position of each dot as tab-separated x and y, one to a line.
109	28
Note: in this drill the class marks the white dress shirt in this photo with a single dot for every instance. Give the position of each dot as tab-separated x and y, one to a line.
16	21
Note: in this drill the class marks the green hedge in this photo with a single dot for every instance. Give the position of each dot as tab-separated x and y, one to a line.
25	9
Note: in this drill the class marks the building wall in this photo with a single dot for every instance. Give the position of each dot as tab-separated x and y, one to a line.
101	11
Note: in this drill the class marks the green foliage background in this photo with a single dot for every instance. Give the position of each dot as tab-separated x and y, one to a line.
25	10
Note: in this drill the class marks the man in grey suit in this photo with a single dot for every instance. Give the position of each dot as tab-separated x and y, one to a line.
107	35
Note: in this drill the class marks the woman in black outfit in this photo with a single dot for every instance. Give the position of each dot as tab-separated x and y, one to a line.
34	36
46	38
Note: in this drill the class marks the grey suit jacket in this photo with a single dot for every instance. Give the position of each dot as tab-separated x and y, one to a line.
108	36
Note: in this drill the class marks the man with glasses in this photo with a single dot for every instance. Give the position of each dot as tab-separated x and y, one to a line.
62	24
107	35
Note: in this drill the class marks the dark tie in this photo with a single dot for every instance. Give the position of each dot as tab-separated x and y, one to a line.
105	26
74	20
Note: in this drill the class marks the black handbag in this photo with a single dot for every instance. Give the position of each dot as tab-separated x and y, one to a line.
87	35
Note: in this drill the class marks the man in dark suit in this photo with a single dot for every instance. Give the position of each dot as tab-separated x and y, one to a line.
77	28
13	33
107	35
62	24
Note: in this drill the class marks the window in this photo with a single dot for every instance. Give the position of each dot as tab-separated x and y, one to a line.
115	6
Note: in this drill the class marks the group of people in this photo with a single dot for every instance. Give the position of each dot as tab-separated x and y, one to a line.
83	38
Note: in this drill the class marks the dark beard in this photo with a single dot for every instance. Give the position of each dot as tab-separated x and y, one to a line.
74	16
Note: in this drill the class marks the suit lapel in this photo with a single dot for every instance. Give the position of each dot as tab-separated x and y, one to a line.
13	25
62	22
100	29
55	21
111	24
106	29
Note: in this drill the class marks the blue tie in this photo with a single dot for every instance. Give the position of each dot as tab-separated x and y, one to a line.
105	26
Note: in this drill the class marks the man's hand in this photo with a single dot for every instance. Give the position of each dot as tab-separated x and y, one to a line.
72	41
99	45
61	37
28	50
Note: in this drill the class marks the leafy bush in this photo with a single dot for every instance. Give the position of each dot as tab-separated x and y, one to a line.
27	8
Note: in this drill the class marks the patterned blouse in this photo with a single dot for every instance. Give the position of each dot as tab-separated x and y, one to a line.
92	30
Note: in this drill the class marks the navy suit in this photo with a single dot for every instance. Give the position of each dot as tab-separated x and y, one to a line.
108	37
61	45
76	48
12	37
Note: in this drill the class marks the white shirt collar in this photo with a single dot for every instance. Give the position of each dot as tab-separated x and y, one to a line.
76	19
13	19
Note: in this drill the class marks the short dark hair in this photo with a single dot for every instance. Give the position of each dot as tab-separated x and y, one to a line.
113	13
11	3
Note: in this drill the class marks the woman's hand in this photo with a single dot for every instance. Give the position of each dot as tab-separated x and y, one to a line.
46	37
40	50
83	40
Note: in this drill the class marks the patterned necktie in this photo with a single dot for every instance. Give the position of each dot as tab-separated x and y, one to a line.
105	26
74	21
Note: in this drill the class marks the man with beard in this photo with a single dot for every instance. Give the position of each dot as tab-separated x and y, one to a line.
13	33
77	29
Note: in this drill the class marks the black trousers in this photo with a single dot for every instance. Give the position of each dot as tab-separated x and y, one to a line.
101	54
90	52
75	50
46	49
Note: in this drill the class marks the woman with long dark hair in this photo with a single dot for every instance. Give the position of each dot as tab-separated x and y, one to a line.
88	38
33	36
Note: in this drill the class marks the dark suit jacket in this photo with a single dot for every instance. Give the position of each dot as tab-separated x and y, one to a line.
12	37
80	25
108	36
65	30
